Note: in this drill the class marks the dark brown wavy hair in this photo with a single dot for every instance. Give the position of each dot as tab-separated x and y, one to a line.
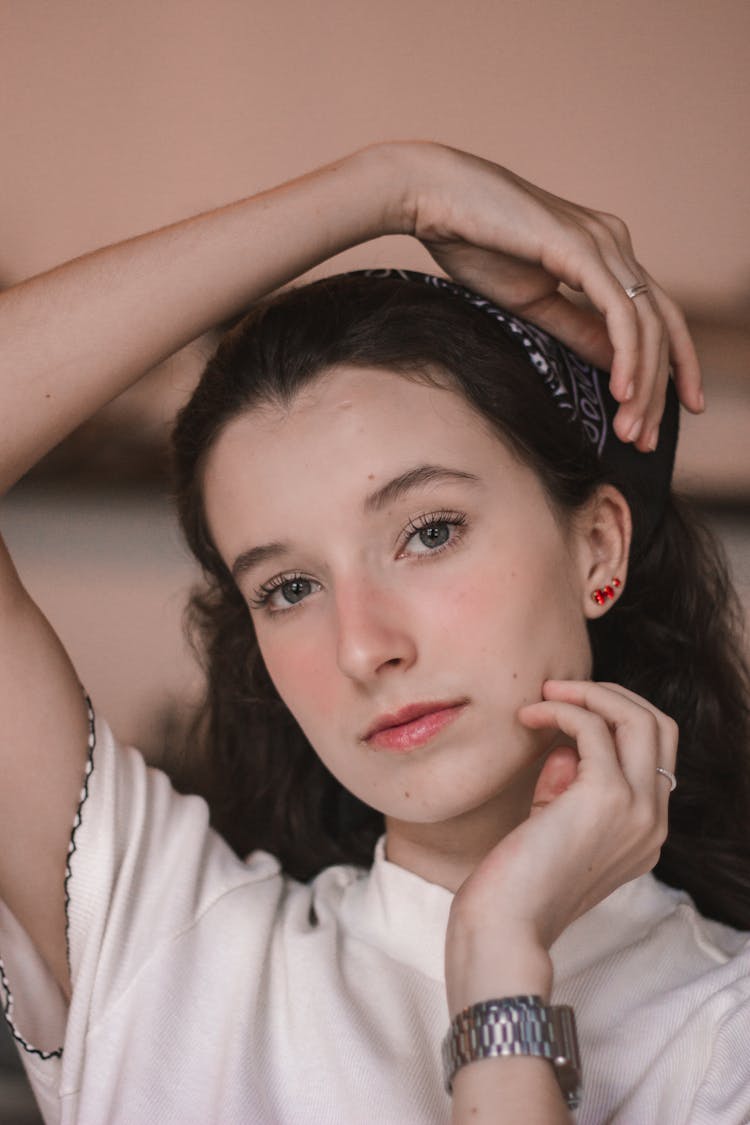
675	635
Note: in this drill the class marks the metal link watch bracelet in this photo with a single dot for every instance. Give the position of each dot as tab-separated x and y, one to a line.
516	1025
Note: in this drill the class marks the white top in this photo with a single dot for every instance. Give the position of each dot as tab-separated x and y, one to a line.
211	991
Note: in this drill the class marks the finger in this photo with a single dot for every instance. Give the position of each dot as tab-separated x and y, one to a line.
668	750
594	741
613	237
647	403
629	810
557	774
527	289
640	363
581	329
585	332
642	408
686	366
619	751
608	338
645	737
668	725
578	262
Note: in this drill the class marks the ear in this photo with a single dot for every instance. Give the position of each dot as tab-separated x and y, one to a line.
604	529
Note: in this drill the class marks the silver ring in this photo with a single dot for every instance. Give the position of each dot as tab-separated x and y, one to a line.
636	290
671	776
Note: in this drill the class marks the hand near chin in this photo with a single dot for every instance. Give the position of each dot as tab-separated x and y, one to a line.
598	820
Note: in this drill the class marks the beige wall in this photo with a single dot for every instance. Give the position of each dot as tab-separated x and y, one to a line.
120	115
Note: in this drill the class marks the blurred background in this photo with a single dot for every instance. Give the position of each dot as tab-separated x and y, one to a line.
121	117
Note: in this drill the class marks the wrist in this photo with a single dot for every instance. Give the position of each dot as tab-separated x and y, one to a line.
518	1025
483	964
401	171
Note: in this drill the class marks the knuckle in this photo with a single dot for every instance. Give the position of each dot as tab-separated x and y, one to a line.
644	821
646	723
615	226
658	824
581	237
654	328
671	729
619	227
650	860
662	831
598	725
652	723
617	799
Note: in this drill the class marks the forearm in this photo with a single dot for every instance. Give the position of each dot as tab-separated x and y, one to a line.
74	338
506	1089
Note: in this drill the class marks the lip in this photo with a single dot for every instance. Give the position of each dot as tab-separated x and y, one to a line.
413	726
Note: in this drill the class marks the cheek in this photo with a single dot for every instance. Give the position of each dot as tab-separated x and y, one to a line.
463	615
305	682
516	623
486	609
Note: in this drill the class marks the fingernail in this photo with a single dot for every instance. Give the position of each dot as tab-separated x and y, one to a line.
630	391
634	431
653	439
702	401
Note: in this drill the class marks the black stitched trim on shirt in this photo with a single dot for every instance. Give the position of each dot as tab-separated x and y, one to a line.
8	998
8	1013
77	822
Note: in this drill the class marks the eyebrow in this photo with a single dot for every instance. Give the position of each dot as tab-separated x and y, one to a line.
413	478
253	557
393	490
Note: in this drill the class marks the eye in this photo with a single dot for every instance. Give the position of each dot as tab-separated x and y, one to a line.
435	535
434	532
283	592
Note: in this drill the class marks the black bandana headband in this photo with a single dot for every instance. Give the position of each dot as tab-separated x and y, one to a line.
582	391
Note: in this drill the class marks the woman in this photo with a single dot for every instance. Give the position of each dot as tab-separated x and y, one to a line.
318	991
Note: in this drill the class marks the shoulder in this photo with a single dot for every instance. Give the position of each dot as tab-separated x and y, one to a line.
660	993
649	939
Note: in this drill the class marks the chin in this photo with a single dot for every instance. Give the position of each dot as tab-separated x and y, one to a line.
414	811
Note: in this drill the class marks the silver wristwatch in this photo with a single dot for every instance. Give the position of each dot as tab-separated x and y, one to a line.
516	1025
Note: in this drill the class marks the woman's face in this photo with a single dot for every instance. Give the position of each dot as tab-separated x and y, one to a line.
402	557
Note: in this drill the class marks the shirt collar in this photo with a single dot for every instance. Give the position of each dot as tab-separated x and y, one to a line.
406	917
400	913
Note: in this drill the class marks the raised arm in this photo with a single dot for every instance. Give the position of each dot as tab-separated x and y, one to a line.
71	340
74	338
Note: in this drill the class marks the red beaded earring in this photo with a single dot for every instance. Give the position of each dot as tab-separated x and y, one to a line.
600	596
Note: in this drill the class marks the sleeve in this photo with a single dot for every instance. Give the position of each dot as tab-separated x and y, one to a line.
724	1092
142	866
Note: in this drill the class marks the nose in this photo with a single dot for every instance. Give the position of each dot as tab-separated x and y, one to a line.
373	631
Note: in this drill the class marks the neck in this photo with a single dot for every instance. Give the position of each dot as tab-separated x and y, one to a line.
446	852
